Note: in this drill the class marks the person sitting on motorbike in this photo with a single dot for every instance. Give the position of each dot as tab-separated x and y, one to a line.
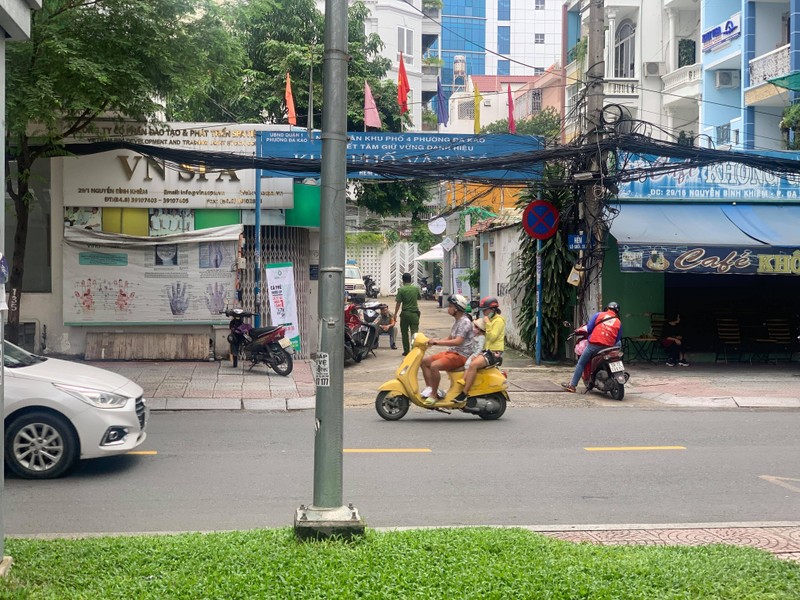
605	331
494	345
459	347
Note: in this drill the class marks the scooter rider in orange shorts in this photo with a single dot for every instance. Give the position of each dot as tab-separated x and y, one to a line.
458	344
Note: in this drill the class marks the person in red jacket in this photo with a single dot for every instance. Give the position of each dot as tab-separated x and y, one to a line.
605	330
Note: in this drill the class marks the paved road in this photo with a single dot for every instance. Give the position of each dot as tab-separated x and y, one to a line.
232	470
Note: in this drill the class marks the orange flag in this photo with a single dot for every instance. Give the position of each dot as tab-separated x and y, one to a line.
402	87
290	101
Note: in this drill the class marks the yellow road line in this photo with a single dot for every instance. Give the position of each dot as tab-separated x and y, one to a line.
381	450
626	448
143	452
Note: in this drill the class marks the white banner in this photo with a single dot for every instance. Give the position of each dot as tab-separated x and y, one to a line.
186	278
282	300
460	283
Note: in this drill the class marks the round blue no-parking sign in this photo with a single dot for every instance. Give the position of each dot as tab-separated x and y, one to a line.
540	219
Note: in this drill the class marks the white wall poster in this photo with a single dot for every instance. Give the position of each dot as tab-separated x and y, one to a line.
461	283
121	279
282	300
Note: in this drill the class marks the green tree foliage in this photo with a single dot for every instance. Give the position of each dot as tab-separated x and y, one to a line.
87	59
286	36
557	262
546	123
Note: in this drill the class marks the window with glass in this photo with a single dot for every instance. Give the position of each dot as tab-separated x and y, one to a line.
504	39
503	10
625	50
538	38
405	45
538	5
504	67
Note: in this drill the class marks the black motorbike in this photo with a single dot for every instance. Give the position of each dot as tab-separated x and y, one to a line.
361	330
267	345
371	287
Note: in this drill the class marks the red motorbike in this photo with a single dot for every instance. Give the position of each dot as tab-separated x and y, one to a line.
267	345
605	372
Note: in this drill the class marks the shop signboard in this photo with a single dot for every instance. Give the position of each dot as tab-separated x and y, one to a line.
718	36
720	260
723	182
125	179
114	279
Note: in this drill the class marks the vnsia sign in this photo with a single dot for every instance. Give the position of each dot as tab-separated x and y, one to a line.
720	260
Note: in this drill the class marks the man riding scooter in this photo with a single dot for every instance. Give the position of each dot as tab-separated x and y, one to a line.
605	331
458	344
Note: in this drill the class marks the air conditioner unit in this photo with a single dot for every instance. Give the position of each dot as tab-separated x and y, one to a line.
727	79
487	102
654	69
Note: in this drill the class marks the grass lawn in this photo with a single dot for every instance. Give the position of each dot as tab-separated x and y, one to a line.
438	563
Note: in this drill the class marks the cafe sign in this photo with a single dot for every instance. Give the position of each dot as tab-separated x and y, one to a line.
719	260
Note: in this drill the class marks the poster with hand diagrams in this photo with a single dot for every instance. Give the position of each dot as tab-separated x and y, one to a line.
181	278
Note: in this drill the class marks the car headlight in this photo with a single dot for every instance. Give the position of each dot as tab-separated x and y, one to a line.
95	398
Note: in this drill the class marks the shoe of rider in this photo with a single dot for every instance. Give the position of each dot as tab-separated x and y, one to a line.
426	392
683	363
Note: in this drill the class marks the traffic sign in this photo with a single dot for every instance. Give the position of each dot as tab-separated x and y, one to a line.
540	219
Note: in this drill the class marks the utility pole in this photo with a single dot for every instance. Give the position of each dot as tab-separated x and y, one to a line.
327	516
593	190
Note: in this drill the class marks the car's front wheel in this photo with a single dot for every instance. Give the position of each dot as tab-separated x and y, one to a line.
40	445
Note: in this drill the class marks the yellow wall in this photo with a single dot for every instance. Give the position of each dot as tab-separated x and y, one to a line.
491	197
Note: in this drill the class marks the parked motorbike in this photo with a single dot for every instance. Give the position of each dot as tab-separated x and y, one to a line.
487	398
371	286
425	290
267	345
605	372
362	329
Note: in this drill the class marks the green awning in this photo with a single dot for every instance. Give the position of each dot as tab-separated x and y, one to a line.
790	82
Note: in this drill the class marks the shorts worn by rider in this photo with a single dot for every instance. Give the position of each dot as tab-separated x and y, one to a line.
449	360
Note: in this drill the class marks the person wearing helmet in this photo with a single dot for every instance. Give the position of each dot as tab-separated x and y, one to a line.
494	346
458	347
605	330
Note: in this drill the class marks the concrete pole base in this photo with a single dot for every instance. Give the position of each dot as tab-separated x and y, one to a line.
311	523
5	566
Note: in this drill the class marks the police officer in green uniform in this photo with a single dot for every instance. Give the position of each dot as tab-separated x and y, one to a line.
407	297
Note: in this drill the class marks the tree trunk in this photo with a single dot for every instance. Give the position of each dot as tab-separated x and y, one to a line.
22	207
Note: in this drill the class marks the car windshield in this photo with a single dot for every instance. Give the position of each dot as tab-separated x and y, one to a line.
352	273
14	356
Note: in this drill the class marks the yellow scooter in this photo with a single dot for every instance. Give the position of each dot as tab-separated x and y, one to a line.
487	396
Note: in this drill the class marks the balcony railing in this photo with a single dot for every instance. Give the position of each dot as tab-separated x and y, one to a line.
770	65
683	76
621	87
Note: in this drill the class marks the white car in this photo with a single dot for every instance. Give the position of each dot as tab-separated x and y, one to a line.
57	412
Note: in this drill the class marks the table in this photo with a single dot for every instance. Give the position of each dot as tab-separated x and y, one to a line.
639	348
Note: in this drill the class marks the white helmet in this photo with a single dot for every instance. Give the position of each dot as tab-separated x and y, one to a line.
459	302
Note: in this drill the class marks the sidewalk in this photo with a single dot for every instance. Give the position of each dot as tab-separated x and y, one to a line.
218	386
